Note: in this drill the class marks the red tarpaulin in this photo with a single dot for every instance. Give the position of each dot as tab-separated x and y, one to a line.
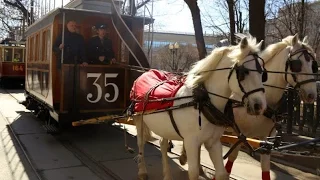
161	84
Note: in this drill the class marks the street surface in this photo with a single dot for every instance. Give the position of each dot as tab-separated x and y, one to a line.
96	152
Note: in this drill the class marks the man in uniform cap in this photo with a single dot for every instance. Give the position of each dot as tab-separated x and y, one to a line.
100	47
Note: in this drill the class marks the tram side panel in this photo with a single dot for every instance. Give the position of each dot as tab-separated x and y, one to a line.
38	74
94	90
12	71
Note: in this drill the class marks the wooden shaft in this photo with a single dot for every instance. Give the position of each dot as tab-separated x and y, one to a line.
233	139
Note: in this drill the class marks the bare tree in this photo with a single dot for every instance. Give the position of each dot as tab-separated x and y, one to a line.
232	21
14	16
232	17
257	19
287	17
131	7
21	5
181	61
196	18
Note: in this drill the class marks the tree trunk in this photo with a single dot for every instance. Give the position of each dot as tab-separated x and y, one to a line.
301	21
257	19
195	12
232	21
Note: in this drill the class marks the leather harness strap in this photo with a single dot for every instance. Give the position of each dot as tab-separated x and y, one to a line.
174	123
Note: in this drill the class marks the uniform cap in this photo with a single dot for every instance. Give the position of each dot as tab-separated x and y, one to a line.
101	26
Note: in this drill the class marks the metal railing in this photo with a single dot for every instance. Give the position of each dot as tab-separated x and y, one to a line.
302	118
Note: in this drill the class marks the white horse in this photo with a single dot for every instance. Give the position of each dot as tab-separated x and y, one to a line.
289	52
186	119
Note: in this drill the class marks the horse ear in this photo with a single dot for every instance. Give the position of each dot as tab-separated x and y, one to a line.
294	39
260	44
244	43
305	40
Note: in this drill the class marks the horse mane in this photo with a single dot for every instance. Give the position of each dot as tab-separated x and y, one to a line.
272	50
239	54
201	70
288	41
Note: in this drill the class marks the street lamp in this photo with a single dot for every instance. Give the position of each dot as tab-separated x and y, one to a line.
173	49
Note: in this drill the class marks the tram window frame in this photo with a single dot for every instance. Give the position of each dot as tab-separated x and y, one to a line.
1	54
49	45
4	53
24	55
37	43
31	49
43	45
21	54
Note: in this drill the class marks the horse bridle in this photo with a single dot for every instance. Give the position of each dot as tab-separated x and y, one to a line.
242	71
296	66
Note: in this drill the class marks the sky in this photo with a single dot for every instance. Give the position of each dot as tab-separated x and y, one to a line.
169	15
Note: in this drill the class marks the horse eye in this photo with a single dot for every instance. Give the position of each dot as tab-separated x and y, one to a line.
307	58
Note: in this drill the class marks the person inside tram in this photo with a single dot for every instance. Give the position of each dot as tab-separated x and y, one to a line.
73	46
16	57
100	47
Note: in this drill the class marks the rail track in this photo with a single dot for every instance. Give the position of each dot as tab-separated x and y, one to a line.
96	167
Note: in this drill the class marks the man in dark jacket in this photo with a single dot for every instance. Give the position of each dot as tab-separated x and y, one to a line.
74	47
100	47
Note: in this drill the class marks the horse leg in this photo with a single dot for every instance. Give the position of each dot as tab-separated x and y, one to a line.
215	151
265	159
265	166
142	170
166	167
231	158
193	152
183	159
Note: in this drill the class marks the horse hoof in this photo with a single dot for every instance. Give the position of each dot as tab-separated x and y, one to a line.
143	176
183	159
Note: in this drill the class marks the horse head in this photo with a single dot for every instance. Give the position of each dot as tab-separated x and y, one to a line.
301	60
247	75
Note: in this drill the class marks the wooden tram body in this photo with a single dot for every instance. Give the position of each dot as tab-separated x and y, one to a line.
12	63
77	92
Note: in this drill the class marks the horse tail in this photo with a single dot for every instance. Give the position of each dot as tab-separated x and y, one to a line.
183	157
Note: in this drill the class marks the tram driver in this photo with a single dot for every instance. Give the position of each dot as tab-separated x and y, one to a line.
73	46
100	47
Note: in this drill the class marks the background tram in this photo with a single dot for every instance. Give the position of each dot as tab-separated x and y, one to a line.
12	63
79	92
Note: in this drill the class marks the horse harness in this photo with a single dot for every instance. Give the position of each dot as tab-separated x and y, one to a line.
296	66
201	99
242	71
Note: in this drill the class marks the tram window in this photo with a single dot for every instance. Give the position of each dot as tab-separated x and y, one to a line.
18	55
48	44
8	54
37	52
31	49
44	46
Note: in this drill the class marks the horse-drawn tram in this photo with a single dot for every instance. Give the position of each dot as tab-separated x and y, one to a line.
69	86
12	66
191	107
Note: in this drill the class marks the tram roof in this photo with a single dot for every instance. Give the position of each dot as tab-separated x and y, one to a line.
49	18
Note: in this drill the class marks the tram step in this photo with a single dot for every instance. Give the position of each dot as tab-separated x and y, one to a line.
50	128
